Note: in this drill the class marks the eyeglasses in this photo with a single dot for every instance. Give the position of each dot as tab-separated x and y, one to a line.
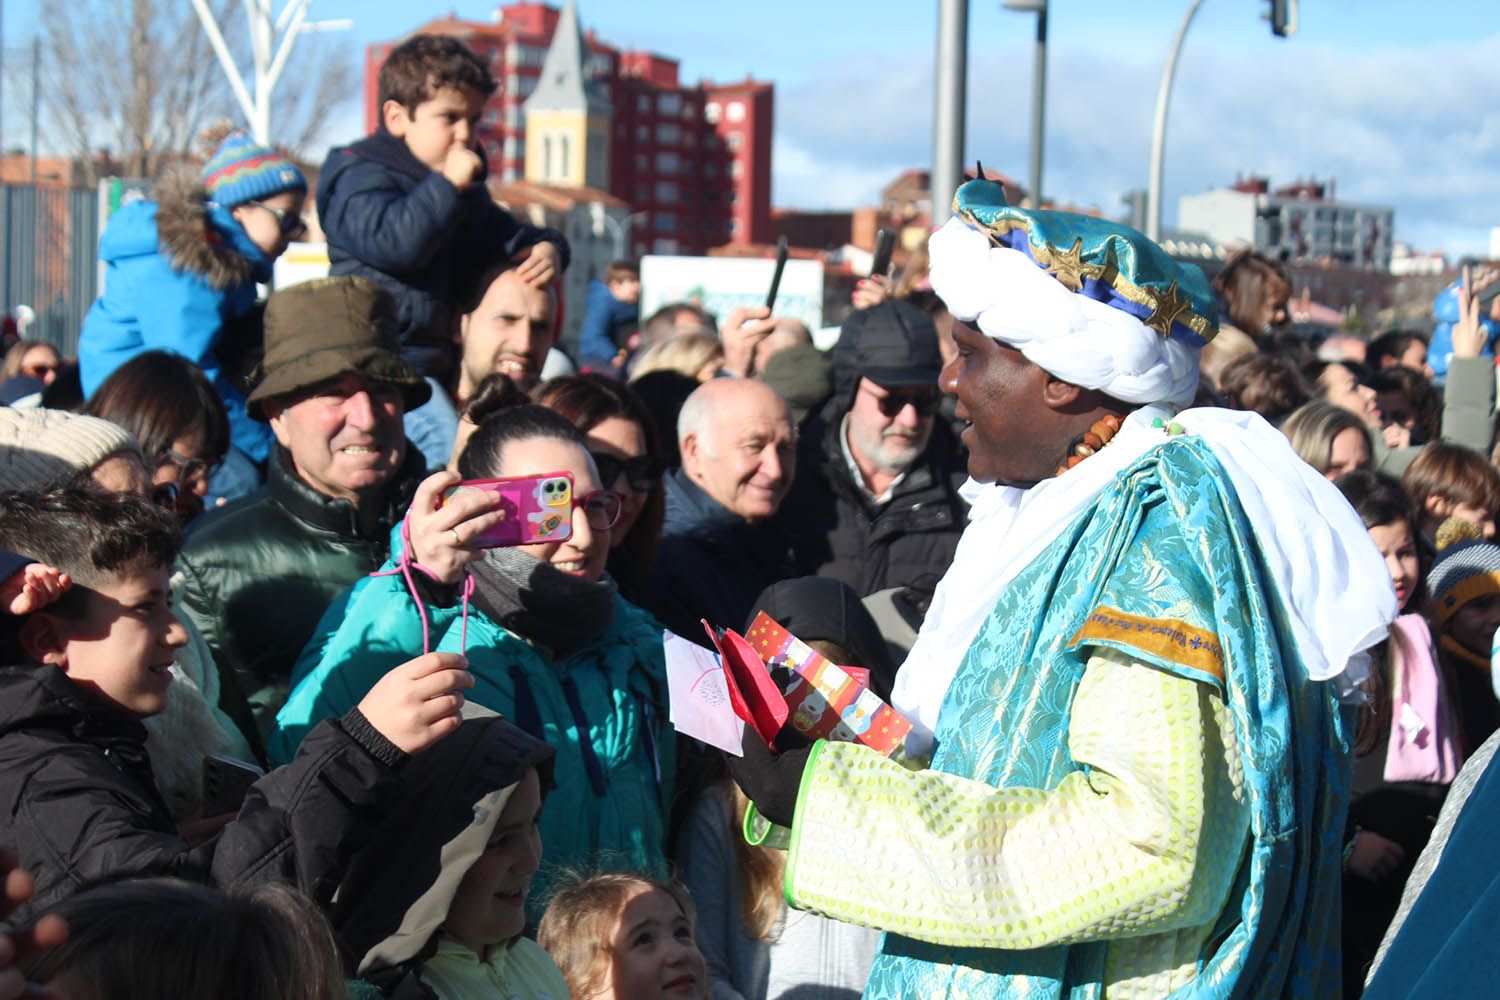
38	371
924	401
641	473
189	468
291	226
601	507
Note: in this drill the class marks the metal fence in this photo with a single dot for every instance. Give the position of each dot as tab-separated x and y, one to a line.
49	237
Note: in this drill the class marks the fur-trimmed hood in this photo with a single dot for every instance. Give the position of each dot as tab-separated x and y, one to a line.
198	237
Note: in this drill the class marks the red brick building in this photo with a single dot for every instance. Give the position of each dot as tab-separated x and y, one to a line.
693	160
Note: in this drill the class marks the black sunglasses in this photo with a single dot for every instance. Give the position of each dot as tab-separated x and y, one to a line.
291	226
642	473
924	401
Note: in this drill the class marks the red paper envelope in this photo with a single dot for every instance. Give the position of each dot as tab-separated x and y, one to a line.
827	701
752	694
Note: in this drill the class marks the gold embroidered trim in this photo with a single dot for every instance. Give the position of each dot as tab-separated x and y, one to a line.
1167	306
1168	638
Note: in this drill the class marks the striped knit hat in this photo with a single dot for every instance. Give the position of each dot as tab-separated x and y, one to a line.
1466	569
39	449
242	170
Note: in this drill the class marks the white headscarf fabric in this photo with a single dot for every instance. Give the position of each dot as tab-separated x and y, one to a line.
1074	337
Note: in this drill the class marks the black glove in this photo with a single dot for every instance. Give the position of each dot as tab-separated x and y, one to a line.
769	779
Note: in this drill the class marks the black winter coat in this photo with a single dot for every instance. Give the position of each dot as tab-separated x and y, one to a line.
388	217
839	532
79	803
711	563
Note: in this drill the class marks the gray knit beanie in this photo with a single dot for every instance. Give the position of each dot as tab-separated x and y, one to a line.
39	449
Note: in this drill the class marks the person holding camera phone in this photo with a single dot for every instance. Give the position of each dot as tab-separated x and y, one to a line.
550	642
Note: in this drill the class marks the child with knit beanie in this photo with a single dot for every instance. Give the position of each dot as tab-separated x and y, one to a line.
1464	608
181	269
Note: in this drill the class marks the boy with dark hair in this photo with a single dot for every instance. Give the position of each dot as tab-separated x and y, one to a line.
77	795
407	206
611	314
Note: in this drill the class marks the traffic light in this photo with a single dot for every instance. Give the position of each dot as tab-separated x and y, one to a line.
1283	17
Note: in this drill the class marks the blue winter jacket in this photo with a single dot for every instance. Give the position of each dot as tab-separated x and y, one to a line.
603	317
176	270
390	218
609	806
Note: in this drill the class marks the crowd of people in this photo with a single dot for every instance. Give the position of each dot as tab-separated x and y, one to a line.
1193	619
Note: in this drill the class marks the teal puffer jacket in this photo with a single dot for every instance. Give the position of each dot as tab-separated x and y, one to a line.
604	709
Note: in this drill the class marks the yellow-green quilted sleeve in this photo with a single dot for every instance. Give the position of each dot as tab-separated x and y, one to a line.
1145	837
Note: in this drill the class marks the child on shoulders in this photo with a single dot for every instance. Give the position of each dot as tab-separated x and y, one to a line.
407	206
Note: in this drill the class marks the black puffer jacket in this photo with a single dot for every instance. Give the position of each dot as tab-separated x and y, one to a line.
839	532
79	803
258	573
390	218
711	563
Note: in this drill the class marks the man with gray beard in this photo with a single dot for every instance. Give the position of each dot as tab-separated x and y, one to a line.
876	500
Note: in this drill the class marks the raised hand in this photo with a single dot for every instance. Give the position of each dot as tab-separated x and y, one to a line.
419	702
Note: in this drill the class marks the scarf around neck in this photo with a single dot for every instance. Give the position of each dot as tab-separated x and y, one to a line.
542	605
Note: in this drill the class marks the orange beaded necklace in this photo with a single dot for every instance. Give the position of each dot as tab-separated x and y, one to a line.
1097	436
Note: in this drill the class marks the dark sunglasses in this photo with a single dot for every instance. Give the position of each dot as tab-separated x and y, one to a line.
189	468
642	473
601	508
291	226
924	401
38	371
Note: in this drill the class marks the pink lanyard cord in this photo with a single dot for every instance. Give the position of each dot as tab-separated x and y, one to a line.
404	567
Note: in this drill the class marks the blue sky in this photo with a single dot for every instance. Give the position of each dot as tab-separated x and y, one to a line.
1398	101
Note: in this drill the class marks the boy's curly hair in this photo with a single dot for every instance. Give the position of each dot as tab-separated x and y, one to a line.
424	64
90	534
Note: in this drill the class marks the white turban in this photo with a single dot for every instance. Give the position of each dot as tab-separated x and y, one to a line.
1074	337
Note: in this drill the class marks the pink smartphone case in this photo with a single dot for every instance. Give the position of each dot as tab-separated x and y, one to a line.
537	509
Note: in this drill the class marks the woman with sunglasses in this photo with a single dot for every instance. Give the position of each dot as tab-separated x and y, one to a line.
33	359
622	439
551	643
173	411
181	274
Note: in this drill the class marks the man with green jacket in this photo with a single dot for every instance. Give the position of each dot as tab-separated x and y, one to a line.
259	572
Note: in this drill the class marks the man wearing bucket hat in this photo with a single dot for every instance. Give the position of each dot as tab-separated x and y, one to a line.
875	502
1126	689
259	572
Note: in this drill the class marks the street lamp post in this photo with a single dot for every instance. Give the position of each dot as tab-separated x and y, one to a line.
1038	89
1159	128
948	114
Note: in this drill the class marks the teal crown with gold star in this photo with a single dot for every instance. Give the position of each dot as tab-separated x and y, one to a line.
1105	260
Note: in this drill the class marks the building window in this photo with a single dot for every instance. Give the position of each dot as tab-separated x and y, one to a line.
735	112
669	104
710	197
711	112
736	169
643	103
642	133
511	147
513	116
733	140
666	163
710	170
666	222
547	157
666	191
642	162
565	167
668	133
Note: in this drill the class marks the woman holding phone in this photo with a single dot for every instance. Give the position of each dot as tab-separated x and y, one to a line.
551	644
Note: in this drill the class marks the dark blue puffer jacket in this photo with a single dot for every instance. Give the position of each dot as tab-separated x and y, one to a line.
390	218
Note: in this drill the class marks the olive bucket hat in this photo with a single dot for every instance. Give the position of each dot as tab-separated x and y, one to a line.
318	330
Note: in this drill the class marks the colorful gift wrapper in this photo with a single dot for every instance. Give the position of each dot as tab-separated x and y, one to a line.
824	701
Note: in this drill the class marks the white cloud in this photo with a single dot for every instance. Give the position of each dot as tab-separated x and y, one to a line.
1417	128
